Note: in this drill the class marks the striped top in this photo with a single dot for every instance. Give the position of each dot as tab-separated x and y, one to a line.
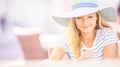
104	37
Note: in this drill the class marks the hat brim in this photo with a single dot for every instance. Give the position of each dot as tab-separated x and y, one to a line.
109	14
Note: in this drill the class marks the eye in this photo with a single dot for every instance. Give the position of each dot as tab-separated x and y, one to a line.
90	16
78	17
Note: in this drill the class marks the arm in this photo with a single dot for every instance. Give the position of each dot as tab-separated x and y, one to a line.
110	51
57	54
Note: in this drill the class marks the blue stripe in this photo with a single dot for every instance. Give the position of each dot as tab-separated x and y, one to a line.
102	35
97	53
79	5
108	36
69	55
102	43
98	49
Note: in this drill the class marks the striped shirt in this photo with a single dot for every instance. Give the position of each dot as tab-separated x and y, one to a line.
103	37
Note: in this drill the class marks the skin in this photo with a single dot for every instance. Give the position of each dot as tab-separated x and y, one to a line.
119	18
86	24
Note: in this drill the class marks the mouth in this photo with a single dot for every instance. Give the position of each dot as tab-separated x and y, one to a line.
85	26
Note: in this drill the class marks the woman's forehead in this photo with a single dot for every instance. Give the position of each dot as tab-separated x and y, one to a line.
92	14
87	15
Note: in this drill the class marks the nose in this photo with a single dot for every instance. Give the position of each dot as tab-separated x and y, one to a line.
84	21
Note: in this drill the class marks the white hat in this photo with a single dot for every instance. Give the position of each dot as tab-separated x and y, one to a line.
84	7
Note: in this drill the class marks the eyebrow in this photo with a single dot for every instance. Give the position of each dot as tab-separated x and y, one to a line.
92	13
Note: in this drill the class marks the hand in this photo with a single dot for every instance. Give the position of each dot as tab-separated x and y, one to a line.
86	54
84	57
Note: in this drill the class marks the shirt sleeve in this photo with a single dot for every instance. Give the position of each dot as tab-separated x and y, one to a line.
63	43
109	37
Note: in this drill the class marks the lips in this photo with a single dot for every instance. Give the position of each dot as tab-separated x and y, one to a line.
85	26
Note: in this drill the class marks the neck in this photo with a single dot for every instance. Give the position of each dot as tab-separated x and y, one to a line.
88	37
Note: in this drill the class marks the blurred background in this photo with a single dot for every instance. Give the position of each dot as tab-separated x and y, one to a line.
27	29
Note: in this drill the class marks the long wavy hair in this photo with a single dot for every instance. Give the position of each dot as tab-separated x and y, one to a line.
75	39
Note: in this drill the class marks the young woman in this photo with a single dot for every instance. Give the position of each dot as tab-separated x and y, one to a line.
89	37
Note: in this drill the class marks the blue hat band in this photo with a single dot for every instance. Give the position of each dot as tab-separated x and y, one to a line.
80	5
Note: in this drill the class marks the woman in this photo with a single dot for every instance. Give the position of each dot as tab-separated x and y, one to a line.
90	36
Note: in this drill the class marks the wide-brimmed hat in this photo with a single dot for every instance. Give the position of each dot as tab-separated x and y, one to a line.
84	7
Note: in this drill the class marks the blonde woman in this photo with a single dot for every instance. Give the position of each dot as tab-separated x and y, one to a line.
89	37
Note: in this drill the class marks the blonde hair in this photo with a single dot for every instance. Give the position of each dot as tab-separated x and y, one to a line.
75	40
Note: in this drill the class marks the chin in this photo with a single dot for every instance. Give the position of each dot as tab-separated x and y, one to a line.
86	30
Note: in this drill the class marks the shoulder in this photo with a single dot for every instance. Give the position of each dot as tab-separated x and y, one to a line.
63	42
105	31
108	36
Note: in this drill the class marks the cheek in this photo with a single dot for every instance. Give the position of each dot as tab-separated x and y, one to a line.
78	23
93	23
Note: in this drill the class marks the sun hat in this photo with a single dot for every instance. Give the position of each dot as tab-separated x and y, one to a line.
84	7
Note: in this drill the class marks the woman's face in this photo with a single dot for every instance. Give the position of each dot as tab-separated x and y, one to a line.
86	23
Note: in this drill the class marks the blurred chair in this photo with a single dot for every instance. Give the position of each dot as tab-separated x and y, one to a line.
29	39
118	23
